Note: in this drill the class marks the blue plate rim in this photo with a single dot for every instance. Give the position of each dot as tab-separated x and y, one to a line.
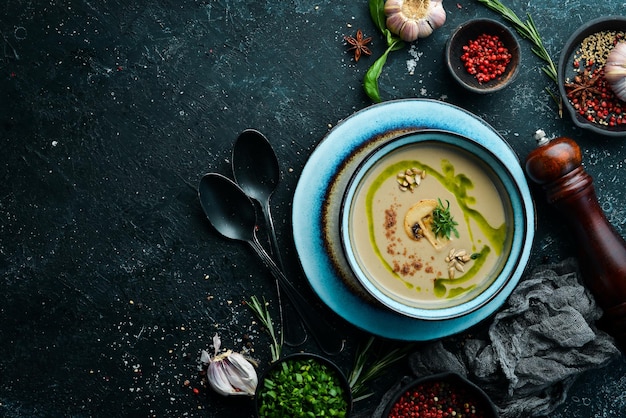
315	179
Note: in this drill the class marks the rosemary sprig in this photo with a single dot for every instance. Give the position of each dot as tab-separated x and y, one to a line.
528	30
443	221
263	315
360	376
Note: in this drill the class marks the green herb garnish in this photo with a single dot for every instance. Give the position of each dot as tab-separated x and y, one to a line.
360	375
529	31
302	388
443	221
370	83
263	315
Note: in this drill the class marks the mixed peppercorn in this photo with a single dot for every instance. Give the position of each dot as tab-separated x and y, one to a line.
485	57
437	399
589	92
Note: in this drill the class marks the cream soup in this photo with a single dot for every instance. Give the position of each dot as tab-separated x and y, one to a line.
406	263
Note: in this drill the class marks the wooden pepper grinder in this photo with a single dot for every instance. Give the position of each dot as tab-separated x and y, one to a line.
556	165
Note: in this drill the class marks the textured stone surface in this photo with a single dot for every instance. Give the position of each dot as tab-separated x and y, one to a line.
111	279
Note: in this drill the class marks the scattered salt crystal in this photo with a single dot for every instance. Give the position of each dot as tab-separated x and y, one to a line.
411	64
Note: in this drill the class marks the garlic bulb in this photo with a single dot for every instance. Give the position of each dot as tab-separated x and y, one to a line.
615	70
412	19
229	373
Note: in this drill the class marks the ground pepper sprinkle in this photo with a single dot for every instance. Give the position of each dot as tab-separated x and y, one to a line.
589	91
485	57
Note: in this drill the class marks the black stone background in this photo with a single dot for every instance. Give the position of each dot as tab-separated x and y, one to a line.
112	281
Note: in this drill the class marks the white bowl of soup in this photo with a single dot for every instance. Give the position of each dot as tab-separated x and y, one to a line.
434	225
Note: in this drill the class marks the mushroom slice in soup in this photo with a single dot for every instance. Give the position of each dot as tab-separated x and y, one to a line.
418	223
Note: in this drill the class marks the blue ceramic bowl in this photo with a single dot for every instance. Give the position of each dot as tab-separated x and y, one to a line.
411	276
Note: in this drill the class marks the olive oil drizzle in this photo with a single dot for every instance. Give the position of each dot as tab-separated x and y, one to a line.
458	185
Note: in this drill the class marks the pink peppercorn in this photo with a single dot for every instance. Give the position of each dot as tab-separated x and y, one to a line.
485	57
437	399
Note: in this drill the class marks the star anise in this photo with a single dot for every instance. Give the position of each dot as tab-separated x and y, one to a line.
358	45
584	86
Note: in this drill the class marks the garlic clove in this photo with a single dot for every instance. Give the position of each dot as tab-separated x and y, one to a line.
437	15
411	30
218	380
425	28
395	22
393	6
245	377
229	373
615	70
413	19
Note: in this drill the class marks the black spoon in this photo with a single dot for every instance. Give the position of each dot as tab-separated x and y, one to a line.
256	170
232	214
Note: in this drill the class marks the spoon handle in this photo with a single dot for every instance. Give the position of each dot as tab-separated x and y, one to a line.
295	334
323	333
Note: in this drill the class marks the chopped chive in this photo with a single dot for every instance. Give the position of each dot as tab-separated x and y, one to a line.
303	388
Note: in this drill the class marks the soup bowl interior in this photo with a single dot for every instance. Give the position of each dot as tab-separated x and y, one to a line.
433	225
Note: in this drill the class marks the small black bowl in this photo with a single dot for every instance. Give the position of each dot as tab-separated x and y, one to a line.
466	391
566	70
469	31
277	366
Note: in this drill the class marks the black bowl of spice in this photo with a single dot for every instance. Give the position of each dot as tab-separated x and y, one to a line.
585	92
483	55
303	385
441	393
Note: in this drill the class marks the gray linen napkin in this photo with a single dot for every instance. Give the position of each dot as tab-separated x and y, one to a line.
537	344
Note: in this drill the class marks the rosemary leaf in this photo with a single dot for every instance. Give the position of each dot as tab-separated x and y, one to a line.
443	222
359	363
360	375
263	315
527	30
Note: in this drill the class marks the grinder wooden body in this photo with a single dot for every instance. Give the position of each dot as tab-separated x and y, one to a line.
557	166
